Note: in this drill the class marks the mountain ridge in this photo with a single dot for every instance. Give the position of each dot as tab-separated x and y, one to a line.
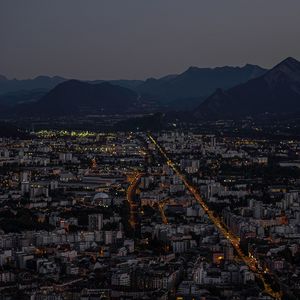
276	91
197	82
74	97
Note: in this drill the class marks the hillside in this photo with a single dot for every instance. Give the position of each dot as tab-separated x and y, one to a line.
277	91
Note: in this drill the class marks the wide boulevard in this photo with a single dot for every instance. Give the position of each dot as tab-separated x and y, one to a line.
250	260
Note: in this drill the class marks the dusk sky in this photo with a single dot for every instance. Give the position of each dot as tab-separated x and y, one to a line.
135	39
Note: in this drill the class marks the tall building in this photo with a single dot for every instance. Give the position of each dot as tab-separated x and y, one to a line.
25	184
95	222
213	141
258	210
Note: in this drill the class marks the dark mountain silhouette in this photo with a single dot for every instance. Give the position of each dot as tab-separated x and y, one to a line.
197	82
14	92
129	84
23	96
179	91
74	97
277	91
40	82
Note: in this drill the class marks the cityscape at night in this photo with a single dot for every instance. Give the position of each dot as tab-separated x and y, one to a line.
149	150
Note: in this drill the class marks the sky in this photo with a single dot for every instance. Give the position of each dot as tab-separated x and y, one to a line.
137	39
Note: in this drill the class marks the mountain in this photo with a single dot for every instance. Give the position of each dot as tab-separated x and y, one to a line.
13	92
173	92
129	84
277	91
9	101
13	98
8	86
40	82
75	97
179	91
197	82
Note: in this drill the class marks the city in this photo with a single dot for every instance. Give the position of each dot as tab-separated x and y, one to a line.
169	215
149	150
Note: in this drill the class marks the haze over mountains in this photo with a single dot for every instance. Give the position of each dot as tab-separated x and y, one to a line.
40	82
178	91
222	92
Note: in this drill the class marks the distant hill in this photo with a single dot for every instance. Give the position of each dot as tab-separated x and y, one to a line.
197	83
13	98
179	91
75	97
40	82
277	91
9	101
129	84
14	92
